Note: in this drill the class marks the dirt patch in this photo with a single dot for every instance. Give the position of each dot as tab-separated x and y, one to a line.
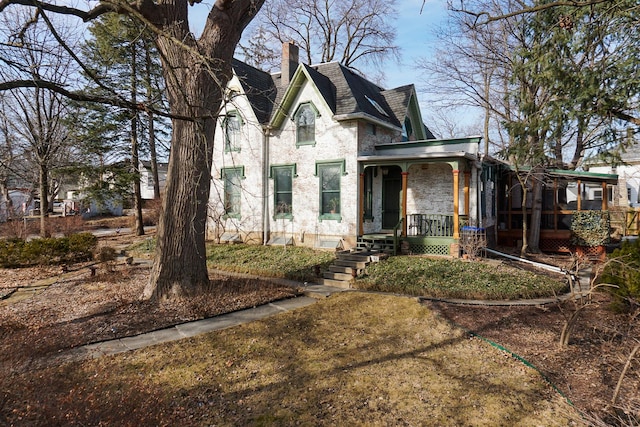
587	370
86	309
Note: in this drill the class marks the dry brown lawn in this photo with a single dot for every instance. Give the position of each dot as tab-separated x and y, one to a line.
351	359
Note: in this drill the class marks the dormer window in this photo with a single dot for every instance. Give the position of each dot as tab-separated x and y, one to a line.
305	119
377	106
407	130
232	126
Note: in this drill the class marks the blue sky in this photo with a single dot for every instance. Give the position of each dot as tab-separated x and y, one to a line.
414	35
415	26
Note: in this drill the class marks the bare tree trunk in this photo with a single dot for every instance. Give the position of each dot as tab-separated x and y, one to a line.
536	211
4	196
525	227
196	74
180	265
135	160
154	158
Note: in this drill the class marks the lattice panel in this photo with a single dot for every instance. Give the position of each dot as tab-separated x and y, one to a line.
555	245
417	248
591	251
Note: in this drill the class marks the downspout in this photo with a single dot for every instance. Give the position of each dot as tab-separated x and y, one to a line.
266	132
479	185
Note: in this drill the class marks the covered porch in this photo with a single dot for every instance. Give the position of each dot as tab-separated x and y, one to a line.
415	197
564	193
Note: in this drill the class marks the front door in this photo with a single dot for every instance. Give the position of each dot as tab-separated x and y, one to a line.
391	196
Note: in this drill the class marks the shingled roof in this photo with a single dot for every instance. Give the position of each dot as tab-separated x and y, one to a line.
345	92
259	88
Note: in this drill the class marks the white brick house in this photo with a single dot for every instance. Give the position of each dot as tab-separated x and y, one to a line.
146	178
319	156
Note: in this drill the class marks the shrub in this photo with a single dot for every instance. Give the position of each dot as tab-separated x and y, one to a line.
107	256
623	271
16	252
151	212
590	228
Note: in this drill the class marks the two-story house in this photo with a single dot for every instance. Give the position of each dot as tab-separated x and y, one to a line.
320	156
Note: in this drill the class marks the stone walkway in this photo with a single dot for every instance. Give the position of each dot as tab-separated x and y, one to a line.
312	293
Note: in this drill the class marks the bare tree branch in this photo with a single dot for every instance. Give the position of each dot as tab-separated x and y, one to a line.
63	10
488	17
84	97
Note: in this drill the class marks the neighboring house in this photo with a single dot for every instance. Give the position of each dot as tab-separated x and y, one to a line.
627	190
146	178
22	202
319	156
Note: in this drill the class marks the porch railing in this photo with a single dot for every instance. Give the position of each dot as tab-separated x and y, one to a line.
430	225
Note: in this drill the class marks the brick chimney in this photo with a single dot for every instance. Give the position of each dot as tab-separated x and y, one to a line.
289	62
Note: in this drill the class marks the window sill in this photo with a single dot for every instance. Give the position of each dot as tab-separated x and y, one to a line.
330	217
283	216
301	143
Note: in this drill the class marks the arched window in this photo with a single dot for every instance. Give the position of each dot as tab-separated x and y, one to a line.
305	119
232	127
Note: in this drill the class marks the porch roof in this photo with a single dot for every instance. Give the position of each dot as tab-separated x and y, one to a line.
585	176
438	156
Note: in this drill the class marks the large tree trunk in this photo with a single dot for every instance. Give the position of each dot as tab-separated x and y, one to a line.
196	75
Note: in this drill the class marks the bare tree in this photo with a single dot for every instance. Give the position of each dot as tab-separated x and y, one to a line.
569	13
36	115
550	83
7	155
356	33
196	73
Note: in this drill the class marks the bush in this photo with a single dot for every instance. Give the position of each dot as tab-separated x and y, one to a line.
107	256
16	252
623	271
590	228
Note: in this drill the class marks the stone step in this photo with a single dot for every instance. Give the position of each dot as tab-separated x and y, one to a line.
354	256
337	276
335	283
350	264
346	269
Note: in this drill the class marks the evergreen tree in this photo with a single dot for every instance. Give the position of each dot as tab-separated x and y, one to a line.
124	62
574	78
